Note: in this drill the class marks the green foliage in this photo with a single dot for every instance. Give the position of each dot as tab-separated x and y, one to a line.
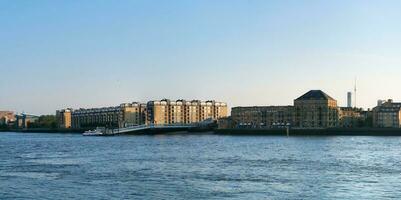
4	127
44	121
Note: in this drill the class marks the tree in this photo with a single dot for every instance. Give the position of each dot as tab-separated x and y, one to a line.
44	121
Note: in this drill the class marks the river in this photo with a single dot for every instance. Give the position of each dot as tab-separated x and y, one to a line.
198	166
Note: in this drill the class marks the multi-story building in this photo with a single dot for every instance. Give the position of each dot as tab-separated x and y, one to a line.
133	114
225	123
220	110
316	109
6	117
387	114
182	111
158	112
249	117
127	114
154	112
176	112
349	99
192	110
262	116
93	117
351	117
22	121
63	118
367	116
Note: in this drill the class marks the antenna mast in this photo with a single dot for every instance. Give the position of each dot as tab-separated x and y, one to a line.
355	93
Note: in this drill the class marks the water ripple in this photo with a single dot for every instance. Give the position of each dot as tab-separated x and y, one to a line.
68	166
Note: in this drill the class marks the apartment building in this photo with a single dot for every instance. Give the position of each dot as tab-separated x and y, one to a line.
6	117
354	117
192	111
316	109
127	114
181	111
63	118
131	114
387	114
262	116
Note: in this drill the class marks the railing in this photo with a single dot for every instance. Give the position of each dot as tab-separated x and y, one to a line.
151	126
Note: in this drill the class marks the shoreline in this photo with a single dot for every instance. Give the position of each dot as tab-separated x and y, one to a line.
313	132
44	130
246	132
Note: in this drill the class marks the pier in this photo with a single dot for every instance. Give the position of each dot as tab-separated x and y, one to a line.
139	128
158	128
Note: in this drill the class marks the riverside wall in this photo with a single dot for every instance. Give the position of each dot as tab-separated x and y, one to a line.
314	132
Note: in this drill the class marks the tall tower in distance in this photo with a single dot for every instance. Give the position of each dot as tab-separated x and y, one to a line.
355	93
349	99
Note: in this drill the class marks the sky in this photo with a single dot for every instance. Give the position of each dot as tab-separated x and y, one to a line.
80	54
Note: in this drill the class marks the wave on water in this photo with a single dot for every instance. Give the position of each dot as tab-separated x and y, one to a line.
32	175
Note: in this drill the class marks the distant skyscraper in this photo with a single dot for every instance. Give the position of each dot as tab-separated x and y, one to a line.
349	99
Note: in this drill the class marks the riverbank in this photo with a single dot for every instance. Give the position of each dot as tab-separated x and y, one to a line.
142	132
244	132
314	132
44	130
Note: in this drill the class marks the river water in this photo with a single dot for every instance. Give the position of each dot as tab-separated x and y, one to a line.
65	166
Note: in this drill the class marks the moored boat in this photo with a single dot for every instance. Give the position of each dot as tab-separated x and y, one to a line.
97	132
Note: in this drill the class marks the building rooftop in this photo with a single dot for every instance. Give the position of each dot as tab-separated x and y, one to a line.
315	95
261	107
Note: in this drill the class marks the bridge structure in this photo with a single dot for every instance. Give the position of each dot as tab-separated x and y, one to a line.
157	127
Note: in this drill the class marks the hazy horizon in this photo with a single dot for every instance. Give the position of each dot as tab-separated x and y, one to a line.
59	54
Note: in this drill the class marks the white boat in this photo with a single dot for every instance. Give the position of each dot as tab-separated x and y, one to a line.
97	132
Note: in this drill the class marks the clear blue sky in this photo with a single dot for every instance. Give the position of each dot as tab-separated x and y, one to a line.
56	54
